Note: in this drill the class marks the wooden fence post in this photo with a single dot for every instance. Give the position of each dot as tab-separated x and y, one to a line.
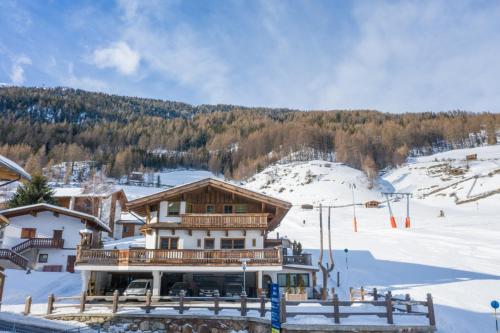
263	304
336	309
148	301
27	306
181	301
283	309
83	299
430	310
375	294
216	303
388	308
50	304
362	293
408	306
243	304
115	301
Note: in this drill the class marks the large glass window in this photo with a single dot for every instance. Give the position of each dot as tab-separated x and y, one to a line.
174	208
169	243
209	243
232	243
210	209
293	280
241	208
228	209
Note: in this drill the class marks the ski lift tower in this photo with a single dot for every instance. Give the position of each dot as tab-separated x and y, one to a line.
392	220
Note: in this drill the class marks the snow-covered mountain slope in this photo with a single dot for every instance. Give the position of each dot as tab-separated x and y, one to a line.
455	257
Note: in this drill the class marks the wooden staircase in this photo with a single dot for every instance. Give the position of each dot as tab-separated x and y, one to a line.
14	255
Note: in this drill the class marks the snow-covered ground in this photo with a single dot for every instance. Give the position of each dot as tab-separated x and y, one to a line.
455	257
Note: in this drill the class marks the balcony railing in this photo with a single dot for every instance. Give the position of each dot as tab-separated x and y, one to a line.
39	243
179	257
225	221
14	257
302	259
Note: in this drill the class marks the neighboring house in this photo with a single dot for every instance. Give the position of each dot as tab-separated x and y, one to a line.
127	226
103	202
10	173
45	237
198	233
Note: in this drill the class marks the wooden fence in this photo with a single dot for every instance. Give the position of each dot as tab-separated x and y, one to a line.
385	306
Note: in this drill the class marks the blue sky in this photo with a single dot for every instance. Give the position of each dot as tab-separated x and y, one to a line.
393	56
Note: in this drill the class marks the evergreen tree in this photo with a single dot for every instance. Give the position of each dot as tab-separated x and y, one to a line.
36	191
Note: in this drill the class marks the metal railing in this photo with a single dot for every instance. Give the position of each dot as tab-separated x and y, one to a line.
302	259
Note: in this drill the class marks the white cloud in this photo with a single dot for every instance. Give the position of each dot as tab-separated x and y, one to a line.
119	56
82	82
419	56
17	69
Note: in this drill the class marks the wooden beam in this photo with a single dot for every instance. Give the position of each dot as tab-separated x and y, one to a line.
33	213
56	214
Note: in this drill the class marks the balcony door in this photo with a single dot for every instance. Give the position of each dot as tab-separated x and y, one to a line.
57	234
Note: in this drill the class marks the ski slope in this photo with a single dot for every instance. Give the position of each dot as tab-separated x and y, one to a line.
455	257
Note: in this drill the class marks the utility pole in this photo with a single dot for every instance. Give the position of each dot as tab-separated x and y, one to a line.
329	267
355	222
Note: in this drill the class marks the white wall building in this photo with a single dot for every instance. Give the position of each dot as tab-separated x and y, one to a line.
45	237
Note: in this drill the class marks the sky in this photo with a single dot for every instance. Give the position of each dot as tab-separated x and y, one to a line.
392	56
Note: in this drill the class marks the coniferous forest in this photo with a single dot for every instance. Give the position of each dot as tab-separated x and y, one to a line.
42	127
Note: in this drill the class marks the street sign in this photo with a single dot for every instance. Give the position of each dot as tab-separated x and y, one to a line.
275	308
495	305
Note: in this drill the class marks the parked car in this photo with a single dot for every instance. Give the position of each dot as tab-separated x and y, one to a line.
208	289
189	287
233	290
138	287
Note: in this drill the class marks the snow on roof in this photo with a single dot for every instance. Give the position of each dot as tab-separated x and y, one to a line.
82	192
13	167
61	210
129	218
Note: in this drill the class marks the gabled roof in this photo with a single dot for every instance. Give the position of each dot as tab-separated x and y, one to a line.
10	170
215	183
41	207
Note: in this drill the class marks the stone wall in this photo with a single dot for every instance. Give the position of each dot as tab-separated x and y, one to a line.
157	323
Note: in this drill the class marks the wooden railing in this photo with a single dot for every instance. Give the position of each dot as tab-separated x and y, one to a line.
39	243
179	257
225	221
14	257
385	306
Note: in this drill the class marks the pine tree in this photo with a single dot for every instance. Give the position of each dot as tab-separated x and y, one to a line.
36	191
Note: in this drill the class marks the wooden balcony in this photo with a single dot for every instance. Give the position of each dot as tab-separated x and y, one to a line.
141	257
225	221
39	243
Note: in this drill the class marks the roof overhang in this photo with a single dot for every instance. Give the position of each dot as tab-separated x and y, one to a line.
139	204
36	208
10	171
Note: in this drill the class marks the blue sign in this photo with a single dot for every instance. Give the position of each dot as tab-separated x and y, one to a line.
275	308
494	304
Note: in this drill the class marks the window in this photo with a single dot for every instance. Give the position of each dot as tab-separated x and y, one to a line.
209	243
293	280
232	243
254	242
198	242
169	243
28	233
210	209
189	208
43	258
125	229
228	209
241	208
174	208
